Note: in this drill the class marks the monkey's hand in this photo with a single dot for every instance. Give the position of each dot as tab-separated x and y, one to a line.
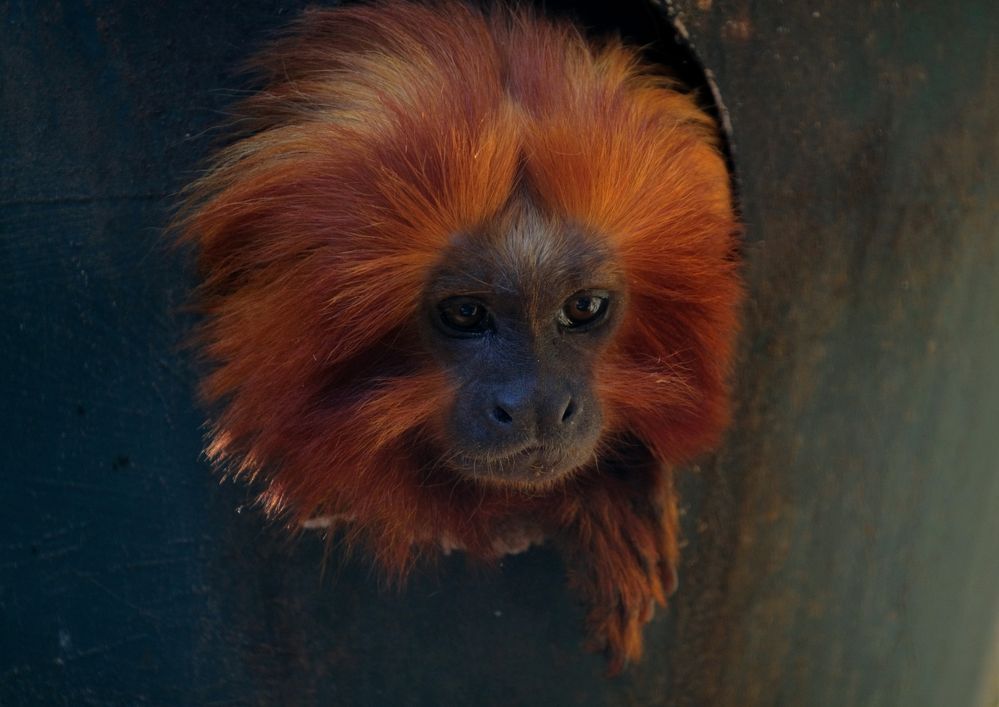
621	551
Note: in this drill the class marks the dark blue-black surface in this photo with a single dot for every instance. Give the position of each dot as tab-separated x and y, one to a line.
127	574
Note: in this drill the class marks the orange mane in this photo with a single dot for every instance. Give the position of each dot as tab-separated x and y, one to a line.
381	131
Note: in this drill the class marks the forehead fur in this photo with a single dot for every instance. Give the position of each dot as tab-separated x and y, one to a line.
527	254
386	129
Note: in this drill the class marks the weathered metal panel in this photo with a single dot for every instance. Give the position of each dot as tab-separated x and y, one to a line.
856	506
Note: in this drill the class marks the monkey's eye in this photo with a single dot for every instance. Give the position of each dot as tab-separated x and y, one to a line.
464	316
583	310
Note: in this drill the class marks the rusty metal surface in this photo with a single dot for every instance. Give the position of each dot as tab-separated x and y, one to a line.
850	531
843	545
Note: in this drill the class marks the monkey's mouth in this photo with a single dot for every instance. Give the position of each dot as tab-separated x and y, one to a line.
531	465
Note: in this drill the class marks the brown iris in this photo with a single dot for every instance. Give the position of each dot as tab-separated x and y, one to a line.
582	309
464	315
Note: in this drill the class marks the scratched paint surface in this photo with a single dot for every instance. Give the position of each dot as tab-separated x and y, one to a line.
850	544
843	546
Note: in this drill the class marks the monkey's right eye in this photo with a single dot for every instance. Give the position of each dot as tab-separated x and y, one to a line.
462	315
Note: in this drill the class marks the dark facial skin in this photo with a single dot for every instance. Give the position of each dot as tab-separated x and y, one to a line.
519	313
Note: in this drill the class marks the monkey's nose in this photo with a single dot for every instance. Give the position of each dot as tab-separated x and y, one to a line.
531	415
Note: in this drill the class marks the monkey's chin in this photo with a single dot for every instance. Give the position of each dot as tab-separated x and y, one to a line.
533	468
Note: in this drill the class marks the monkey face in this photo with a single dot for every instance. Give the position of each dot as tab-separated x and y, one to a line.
519	313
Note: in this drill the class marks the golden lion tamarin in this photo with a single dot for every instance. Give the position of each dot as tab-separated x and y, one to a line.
470	279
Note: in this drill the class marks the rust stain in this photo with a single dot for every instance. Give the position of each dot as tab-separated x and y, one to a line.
739	29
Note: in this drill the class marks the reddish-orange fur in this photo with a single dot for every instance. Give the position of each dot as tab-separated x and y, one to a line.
383	130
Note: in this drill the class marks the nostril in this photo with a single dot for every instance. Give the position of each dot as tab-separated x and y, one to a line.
570	410
501	415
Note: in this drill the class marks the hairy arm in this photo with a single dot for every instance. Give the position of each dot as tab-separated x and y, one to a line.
620	544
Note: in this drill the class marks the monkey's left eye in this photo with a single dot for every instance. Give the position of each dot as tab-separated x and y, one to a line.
464	316
583	310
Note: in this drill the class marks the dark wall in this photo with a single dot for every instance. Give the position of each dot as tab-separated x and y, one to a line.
853	550
843	545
